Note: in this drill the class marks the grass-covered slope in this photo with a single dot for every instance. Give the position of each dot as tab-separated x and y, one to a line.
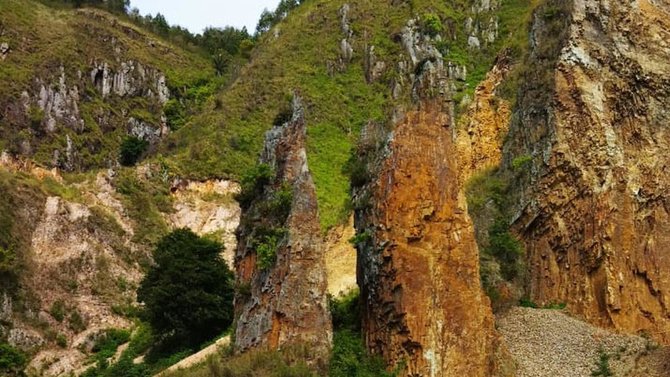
57	48
41	37
302	54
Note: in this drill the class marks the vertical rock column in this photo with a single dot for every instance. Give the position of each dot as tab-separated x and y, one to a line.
418	260
285	303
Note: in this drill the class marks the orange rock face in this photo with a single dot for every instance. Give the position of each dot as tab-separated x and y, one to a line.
596	212
419	263
287	301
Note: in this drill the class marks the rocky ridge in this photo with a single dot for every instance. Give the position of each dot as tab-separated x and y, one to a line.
286	300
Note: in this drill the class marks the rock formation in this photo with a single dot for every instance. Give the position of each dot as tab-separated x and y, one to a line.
594	211
286	301
418	259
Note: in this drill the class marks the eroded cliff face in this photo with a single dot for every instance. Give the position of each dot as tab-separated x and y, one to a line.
280	261
80	259
595	208
208	209
418	260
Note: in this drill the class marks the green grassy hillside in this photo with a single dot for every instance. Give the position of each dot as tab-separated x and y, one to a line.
49	43
296	55
301	54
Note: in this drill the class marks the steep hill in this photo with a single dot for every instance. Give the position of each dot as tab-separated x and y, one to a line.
76	228
78	82
343	60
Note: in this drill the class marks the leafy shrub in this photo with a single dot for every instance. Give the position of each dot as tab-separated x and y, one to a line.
357	170
132	150
61	340
76	323
505	248
174	112
107	344
432	25
266	241
280	203
361	238
345	311
349	358
484	188
57	310
266	252
188	293
12	361
253	184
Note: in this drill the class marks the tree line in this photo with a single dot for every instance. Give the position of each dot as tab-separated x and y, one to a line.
222	44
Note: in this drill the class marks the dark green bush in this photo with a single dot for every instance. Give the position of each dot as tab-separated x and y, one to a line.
266	241
132	150
284	116
505	248
349	357
357	170
175	114
58	310
61	340
12	361
280	203
432	25
266	252
253	184
346	311
76	323
106	345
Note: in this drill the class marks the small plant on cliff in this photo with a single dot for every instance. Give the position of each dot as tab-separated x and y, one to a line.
279	205
505	248
188	293
132	150
253	183
58	310
521	162
357	169
432	25
266	252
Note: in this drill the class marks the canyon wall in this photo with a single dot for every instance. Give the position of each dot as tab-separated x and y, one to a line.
594	208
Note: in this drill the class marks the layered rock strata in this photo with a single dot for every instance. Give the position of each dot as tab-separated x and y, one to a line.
594	213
